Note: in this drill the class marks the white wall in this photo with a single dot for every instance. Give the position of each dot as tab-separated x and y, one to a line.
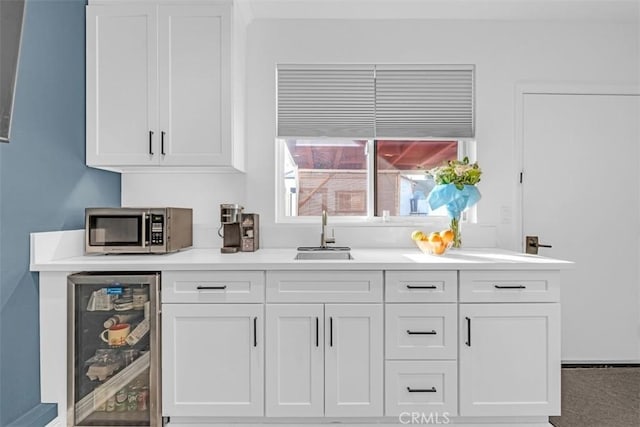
505	53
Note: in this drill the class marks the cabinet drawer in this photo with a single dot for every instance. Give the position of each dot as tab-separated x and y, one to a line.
429	387
421	331
509	286
324	286
212	286
421	286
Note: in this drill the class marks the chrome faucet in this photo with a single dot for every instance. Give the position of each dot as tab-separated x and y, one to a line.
323	239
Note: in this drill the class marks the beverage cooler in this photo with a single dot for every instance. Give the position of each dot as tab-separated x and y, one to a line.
113	355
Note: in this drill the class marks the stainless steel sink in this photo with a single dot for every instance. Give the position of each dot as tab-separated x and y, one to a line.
324	249
324	255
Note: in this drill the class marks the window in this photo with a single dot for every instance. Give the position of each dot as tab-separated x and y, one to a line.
340	176
324	174
401	184
357	139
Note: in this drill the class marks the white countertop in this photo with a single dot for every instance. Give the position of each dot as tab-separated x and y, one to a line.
50	252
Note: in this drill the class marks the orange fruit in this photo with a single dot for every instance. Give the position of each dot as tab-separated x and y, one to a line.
447	236
439	249
435	237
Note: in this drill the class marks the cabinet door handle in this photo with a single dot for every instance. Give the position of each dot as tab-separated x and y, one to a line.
330	331
162	143
468	343
432	332
201	288
421	390
421	287
151	142
255	331
317	332
509	286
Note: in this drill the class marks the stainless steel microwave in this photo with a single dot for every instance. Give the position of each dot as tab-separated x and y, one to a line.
137	230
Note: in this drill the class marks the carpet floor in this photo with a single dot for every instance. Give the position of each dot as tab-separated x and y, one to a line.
600	397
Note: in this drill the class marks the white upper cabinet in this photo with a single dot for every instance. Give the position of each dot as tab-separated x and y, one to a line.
122	94
159	87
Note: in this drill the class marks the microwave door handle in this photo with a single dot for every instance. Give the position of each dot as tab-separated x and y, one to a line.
144	230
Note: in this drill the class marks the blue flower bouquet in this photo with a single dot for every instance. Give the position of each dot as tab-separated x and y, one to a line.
455	189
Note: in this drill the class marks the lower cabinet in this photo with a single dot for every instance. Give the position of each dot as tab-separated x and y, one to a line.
324	360
423	386
294	336
509	359
325	344
212	360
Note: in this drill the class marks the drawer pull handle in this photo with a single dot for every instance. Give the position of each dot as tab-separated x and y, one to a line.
510	287
207	288
317	332
432	332
421	287
468	343
421	390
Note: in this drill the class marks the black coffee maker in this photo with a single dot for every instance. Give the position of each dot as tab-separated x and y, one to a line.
239	231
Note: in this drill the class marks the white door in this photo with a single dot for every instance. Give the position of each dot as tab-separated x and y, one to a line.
194	71
509	359
294	360
353	360
212	360
581	195
121	85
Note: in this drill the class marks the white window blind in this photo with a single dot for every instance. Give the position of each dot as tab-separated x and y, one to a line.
326	101
424	101
383	101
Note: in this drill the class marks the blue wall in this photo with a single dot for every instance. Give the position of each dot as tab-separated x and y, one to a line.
44	186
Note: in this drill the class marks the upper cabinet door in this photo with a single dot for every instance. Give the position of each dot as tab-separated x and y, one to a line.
121	85
353	360
194	66
509	359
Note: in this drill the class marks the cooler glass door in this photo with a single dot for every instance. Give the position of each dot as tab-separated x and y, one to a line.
113	350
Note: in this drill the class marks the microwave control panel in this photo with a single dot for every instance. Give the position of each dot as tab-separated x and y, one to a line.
157	229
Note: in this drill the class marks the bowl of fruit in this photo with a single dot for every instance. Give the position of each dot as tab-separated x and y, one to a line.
435	243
